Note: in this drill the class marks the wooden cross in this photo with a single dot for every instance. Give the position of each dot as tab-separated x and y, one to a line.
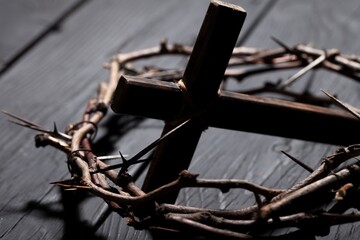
198	92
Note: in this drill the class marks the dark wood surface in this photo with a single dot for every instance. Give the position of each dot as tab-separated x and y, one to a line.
55	72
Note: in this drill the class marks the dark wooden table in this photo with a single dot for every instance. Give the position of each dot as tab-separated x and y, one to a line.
51	55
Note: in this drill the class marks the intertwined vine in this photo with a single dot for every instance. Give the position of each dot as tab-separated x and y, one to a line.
333	181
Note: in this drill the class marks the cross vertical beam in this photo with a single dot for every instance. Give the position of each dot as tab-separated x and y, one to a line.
202	77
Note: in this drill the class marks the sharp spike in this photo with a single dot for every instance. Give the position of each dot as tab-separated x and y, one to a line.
63	181
122	158
111	157
342	104
55	129
28	124
70	183
23	120
303	165
111	167
135	159
304	70
282	44
72	187
156	142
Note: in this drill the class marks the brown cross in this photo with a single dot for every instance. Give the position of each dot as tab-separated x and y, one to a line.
198	95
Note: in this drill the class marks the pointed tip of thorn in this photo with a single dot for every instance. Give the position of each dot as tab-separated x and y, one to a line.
324	91
122	157
55	128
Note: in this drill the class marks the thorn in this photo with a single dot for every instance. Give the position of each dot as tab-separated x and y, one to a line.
20	119
157	141
69	180
70	184
55	129
342	104
27	124
111	157
72	187
111	167
61	134
163	45
122	158
135	159
281	44
308	67
289	49
306	167
297	75
17	123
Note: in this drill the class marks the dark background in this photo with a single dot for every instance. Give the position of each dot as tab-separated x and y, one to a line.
51	56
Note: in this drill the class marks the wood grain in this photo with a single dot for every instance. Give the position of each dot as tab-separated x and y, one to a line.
26	23
53	81
257	157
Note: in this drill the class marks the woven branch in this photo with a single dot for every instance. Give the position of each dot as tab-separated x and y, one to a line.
274	208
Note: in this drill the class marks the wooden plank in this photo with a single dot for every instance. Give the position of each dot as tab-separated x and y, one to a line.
54	81
23	24
154	91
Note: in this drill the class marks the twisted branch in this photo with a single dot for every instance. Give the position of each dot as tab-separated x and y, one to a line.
274	208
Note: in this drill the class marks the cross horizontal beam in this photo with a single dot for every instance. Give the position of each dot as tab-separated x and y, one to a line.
161	100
